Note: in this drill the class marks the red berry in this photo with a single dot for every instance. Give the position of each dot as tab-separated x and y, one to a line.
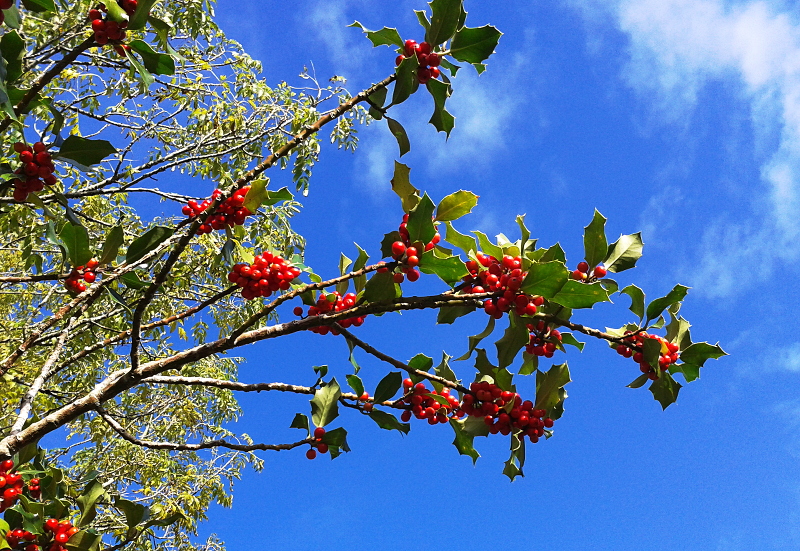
434	72
600	272
584	267
322	447
298	311
19	147
368	406
434	60
311	454
424	48
578	275
364	397
409	47
423	75
319	432
6	465
89	277
398	249
412	275
399	59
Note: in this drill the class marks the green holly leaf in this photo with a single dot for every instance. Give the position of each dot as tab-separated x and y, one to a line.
449	314
637	299
444	371
699	352
423	19
39	6
486	245
463	242
132	281
678	331
464	440
12	18
474	426
651	350
624	252
386	243
474	340
420	221
259	195
450	270
300	421
376	100
569	338
406	82
594	240
639	381
550	387
12	47
445	16
83	541
112	244
384	37
400	135
513	467
388	387
380	287
530	363
554	253
665	390
135	513
453	68
525	233
336	440
156	63
513	340
401	185
147	242
84	152
456	205
690	372
140	17
441	119
145	77
474	45
388	421
76	239
87	501
420	362
545	279
575	294
325	404
655	308
356	384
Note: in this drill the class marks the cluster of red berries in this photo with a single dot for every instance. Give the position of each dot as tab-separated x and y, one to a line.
428	61
543	340
105	30
504	411
21	539
488	274
321	446
425	406
229	213
86	273
332	302
582	273
12	485
267	274
37	170
5	5
62	531
668	355
407	253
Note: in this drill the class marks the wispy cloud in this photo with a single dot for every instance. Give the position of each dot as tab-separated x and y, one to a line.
676	48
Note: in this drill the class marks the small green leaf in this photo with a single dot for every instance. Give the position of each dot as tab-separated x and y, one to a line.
12	18
699	352
156	63
337	442
530	363
132	281
12	47
554	253
575	294
550	387
140	17
690	372
444	371
665	390
325	404
148	242
441	119
525	233
569	338
356	384
83	151
474	340
678	332
135	513
39	6
384	37
423	19
87	501
474	45
651	350
112	244
637	299
450	270
259	195
545	279
513	340
449	314
388	421
657	307
400	135
463	242
406	82
464	441
144	75
474	426
116	13
487	246
83	541
376	101
594	240
639	381
453	68
445	15
300	421
456	205
388	387
380	287
624	252
386	243
420	221
76	240
401	185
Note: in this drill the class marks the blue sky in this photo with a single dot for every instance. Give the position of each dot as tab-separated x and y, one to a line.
680	118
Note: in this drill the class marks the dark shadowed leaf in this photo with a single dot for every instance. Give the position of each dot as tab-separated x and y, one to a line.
400	135
356	384
380	287
420	221
474	340
39	6
513	340
550	387
657	307
406	82
84	151
388	386
448	314
112	244
441	119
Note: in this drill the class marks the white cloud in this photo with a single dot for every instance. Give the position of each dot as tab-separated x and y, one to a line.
676	48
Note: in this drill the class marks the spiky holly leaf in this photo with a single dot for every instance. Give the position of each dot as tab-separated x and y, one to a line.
325	403
388	421
401	185
594	240
624	252
657	307
699	352
420	221
474	340
513	340
384	37
486	245
441	119
445	17
457	239
406	82
637	299
665	390
456	205
474	45
545	279
575	294
450	270
449	314
550	387
380	287
464	440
